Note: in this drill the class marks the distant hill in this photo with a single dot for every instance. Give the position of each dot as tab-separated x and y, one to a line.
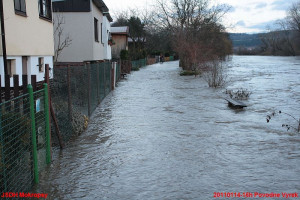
245	40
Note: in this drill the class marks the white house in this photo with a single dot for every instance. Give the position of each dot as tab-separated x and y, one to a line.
87	22
28	37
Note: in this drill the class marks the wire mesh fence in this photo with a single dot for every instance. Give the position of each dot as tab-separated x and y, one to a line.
137	64
76	92
23	148
40	121
15	143
118	71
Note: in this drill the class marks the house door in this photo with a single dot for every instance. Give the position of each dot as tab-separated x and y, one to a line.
24	65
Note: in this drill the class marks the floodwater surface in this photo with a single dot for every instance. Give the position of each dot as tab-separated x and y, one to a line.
159	135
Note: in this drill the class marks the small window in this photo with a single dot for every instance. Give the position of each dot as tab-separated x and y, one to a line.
101	33
41	64
45	9
20	7
96	30
11	67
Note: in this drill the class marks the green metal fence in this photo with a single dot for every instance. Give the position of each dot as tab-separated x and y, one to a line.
76	92
100	84
137	64
118	71
24	140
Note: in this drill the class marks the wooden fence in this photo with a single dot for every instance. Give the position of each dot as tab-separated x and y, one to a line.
9	92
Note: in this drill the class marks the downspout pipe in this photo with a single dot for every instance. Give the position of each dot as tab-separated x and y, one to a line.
3	38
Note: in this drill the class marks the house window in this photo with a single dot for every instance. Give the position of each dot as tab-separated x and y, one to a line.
45	9
20	7
101	33
11	67
41	64
96	32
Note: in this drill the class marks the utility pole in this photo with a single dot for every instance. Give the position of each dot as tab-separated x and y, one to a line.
3	38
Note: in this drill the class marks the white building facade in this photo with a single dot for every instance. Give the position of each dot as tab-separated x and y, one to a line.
29	39
87	23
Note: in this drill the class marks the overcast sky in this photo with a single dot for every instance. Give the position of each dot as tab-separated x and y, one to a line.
248	16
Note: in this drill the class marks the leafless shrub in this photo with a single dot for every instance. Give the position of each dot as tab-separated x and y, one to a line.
240	94
215	75
287	126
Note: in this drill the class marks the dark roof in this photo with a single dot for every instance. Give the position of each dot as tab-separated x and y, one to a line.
101	5
72	6
80	6
108	16
103	8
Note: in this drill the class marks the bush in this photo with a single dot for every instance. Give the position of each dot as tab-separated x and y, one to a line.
135	69
189	73
215	75
69	127
240	94
167	54
124	55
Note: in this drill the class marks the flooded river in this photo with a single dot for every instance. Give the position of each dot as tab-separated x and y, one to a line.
163	136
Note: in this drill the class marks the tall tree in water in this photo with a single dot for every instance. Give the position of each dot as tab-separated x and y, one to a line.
196	28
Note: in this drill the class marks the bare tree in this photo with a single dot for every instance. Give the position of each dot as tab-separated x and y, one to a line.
287	44
285	39
281	40
62	40
198	34
215	76
294	17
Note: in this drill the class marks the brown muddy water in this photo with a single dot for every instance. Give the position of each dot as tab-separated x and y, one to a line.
163	136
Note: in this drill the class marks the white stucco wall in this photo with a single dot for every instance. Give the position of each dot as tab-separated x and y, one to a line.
33	61
32	68
98	47
80	27
18	69
29	35
106	33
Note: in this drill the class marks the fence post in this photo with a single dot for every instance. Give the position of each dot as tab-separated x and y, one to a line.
104	77
113	77
89	88
33	135
69	92
16	91
47	125
98	83
110	76
24	83
33	82
47	80
7	88
0	90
